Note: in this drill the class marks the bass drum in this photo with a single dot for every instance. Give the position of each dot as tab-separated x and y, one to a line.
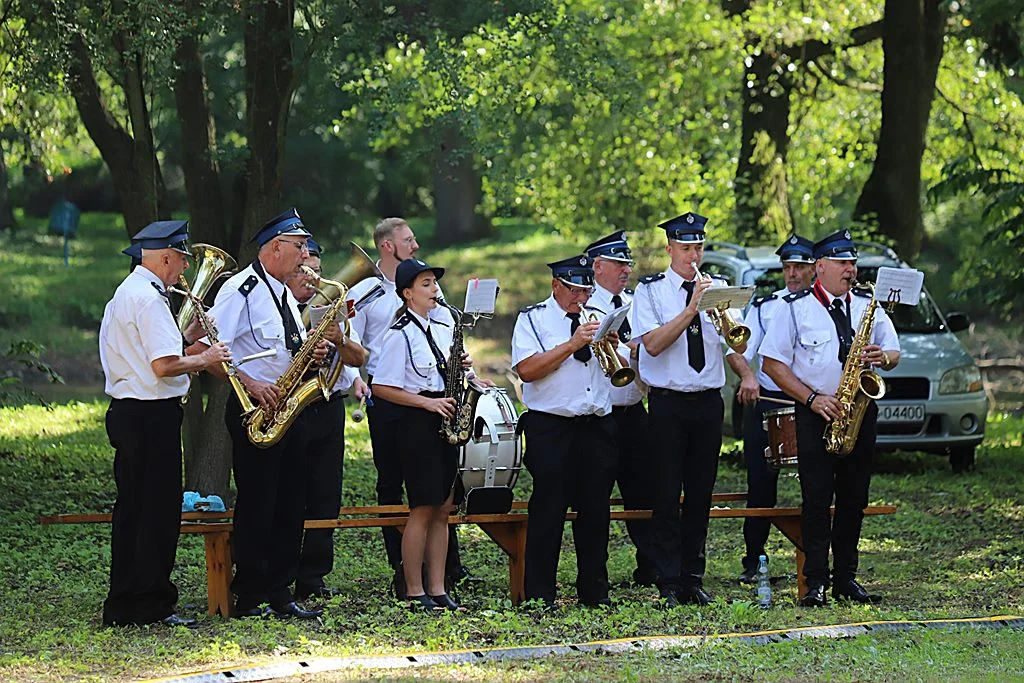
490	461
781	427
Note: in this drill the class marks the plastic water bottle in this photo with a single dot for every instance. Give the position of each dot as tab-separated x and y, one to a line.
764	584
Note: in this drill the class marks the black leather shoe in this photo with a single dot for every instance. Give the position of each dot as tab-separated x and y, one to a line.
669	600
851	590
815	597
749	576
694	595
444	600
423	603
177	620
320	592
600	602
463	575
258	612
644	577
292	609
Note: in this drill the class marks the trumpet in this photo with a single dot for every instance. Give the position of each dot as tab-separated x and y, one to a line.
735	334
608	359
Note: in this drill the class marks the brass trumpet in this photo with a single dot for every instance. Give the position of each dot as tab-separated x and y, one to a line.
735	334
608	359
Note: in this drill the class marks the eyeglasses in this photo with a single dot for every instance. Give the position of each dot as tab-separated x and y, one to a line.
301	246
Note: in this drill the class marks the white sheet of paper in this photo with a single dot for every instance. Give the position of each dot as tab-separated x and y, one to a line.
900	285
726	297
316	313
613	321
480	296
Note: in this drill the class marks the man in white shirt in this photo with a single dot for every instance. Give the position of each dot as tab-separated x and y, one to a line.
804	351
797	257
613	263
395	242
146	376
325	446
682	361
256	314
570	433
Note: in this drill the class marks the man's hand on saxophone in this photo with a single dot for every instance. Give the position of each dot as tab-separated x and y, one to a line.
267	394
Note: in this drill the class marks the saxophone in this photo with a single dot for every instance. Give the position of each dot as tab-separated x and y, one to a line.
857	388
466	394
266	427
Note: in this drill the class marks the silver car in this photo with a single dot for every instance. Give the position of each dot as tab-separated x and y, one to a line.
934	402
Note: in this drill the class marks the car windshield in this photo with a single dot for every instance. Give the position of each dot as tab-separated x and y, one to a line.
921	319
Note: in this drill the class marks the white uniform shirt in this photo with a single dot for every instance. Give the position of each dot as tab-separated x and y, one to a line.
758	319
574	388
374	319
803	337
656	303
138	328
251	324
631	393
406	359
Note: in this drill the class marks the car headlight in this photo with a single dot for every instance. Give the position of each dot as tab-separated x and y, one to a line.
961	380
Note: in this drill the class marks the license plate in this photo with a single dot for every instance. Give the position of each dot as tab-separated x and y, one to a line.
901	412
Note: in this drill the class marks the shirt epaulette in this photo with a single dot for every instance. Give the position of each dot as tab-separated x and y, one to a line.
629	291
401	322
533	307
790	298
438	322
648	279
762	299
860	291
249	284
594	308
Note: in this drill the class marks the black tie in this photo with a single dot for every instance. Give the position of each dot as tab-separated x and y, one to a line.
694	334
163	293
582	355
838	314
625	333
292	339
442	365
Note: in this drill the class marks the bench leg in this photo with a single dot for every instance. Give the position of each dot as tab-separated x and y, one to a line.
511	537
218	573
790	528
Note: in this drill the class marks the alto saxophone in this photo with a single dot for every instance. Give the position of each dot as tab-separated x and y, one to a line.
466	394
265	427
857	388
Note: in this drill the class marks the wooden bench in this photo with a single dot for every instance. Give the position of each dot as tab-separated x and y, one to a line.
507	530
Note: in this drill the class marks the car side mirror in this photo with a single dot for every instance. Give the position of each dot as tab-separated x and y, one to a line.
958	321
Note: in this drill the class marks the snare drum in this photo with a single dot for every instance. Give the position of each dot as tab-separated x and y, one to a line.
781	427
493	455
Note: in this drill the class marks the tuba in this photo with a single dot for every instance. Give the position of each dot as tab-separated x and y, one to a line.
211	263
857	388
619	374
735	334
359	267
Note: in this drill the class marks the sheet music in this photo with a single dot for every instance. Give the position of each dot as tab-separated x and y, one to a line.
898	285
613	321
726	297
480	296
316	313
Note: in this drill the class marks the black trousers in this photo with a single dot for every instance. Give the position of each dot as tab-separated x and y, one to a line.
822	477
762	480
325	448
269	511
385	423
689	429
636	477
572	461
146	436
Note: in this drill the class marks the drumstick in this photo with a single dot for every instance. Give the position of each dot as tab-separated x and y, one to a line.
359	413
781	401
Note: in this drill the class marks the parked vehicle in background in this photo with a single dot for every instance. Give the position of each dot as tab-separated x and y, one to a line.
934	400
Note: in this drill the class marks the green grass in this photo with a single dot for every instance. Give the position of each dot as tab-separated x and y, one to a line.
955	549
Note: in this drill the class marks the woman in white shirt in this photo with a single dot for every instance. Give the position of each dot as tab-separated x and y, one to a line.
411	373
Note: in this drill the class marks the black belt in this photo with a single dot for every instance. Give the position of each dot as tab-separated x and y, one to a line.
625	408
573	418
337	394
432	394
685	395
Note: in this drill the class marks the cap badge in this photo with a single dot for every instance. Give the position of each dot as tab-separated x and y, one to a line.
793	240
846	234
689	219
583	260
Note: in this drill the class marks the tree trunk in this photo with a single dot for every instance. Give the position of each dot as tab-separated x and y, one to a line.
269	73
7	221
762	196
891	198
457	192
205	441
